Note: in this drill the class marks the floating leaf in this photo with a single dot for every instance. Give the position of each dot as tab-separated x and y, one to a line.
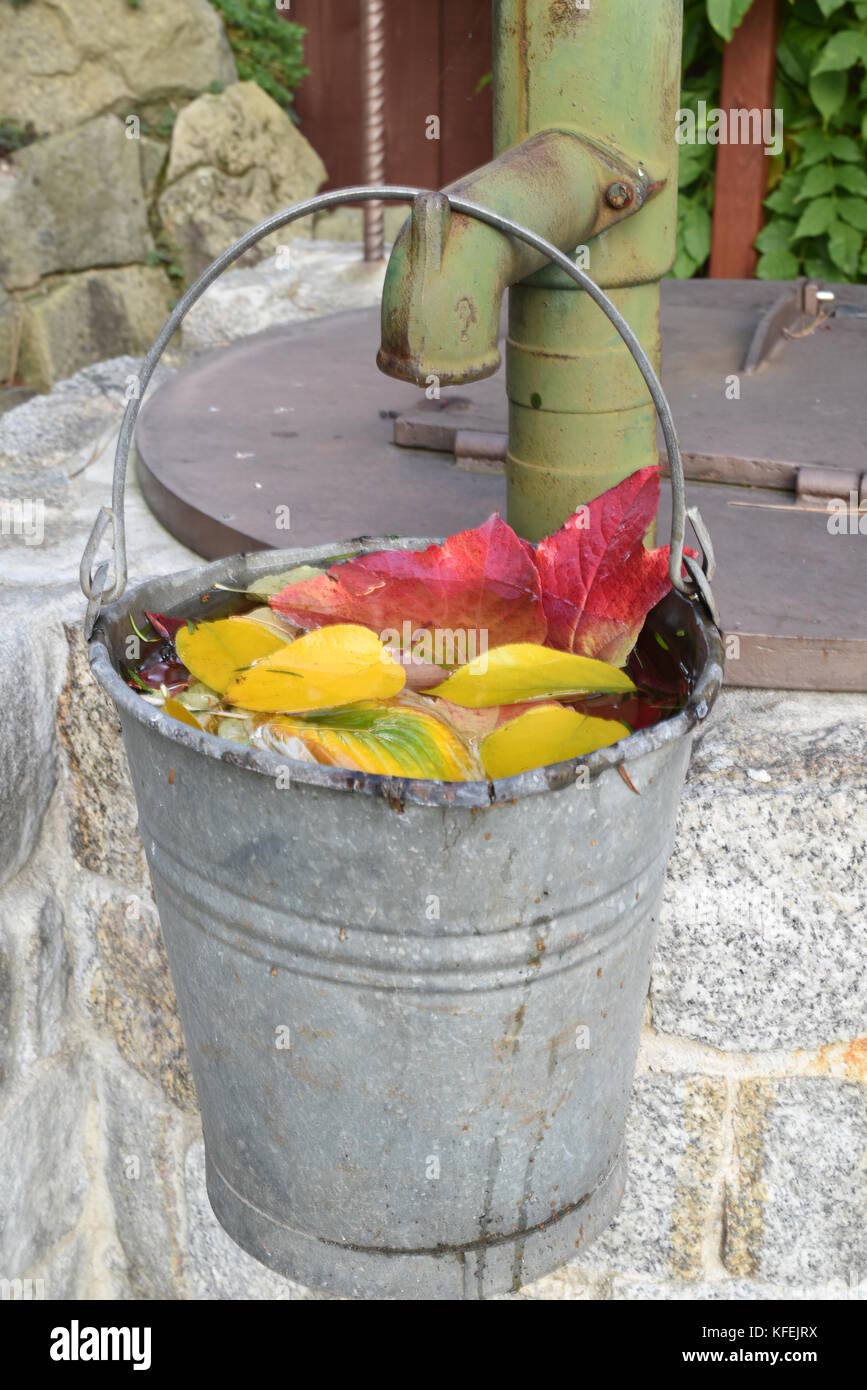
271	584
177	711
166	627
525	671
217	651
394	740
480	587
598	579
324	669
551	734
267	618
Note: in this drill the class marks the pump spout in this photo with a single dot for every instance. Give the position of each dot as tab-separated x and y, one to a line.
447	273
585	100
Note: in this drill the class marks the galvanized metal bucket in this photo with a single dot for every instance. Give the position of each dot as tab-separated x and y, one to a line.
412	1008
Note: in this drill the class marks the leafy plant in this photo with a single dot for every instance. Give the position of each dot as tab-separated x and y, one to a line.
268	49
817	195
817	206
702	66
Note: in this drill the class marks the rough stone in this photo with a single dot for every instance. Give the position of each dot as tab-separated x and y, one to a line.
130	994
796	1208
106	55
63	431
303	280
216	1267
761	939
29	679
103	824
235	159
73	320
152	156
71	202
145	1174
674	1142
51	966
43	1176
8	335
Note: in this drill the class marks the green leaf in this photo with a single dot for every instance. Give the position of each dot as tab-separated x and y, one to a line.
783	198
829	6
778	265
853	211
775	235
863	263
845	148
726	15
271	584
816	218
697	232
853	179
814	144
844	247
818	180
828	92
843	50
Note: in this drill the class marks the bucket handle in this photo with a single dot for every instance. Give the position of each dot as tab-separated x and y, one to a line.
95	582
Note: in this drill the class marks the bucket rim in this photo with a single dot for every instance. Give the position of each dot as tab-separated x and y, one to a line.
239	570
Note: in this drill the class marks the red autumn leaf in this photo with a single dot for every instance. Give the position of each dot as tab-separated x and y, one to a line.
482	581
599	581
166	627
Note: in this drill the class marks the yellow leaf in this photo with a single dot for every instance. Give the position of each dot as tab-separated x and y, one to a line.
325	669
216	651
177	711
267	618
394	740
552	734
524	671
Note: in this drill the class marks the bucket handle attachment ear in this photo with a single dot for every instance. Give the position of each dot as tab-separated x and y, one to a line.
95	582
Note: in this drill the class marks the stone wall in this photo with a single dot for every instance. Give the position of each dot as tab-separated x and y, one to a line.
748	1124
140	157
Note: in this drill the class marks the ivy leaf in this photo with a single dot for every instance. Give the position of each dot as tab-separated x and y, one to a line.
853	211
777	265
598	579
481	584
818	180
816	218
829	6
828	92
775	235
853	179
551	734
844	247
842	51
726	15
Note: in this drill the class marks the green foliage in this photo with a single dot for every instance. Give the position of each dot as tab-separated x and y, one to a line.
817	200
14	136
702	64
818	197
268	49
